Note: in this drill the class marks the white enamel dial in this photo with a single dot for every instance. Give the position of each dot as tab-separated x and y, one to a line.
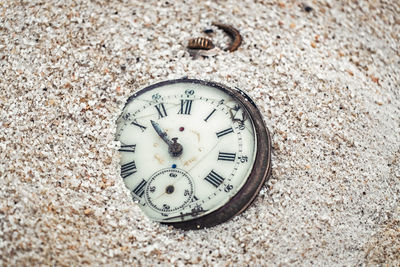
186	149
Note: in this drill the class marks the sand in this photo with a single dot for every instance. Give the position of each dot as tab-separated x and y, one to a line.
324	74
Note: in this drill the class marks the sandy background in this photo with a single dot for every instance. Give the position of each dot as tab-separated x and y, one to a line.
327	82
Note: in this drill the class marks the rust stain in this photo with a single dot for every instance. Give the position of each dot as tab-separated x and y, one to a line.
158	158
197	134
188	162
375	79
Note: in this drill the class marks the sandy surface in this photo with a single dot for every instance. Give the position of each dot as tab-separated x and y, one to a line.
327	82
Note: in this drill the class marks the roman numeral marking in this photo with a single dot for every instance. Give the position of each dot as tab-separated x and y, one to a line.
186	106
214	179
224	132
161	110
194	198
128	169
134	122
139	189
226	156
209	115
127	148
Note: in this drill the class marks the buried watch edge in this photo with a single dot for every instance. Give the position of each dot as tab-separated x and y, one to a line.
257	175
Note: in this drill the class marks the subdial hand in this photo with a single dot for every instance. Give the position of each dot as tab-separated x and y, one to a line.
174	148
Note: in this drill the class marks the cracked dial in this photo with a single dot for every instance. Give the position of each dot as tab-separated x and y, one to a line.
193	153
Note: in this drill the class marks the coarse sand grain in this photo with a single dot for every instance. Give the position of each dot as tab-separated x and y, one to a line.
325	75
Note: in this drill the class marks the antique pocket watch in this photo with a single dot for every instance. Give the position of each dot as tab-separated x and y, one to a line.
193	153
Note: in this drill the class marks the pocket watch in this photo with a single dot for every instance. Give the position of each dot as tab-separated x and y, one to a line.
193	153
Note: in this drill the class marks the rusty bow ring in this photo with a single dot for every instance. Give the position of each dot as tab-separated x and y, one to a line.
233	34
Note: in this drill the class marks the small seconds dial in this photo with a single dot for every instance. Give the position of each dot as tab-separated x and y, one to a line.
189	150
169	190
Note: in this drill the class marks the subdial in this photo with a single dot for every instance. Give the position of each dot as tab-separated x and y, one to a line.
169	190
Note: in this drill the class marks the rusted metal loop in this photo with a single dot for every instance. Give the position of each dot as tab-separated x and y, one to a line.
233	34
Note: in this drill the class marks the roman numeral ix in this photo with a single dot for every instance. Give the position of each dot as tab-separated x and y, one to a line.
214	179
127	148
139	189
128	169
226	156
186	106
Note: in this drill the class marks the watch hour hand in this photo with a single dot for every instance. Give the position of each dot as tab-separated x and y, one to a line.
174	148
161	133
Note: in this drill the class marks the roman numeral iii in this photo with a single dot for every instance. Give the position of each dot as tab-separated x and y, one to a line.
128	169
226	156
214	179
186	106
139	189
224	132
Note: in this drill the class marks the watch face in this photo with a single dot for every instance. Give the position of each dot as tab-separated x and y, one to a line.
193	153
